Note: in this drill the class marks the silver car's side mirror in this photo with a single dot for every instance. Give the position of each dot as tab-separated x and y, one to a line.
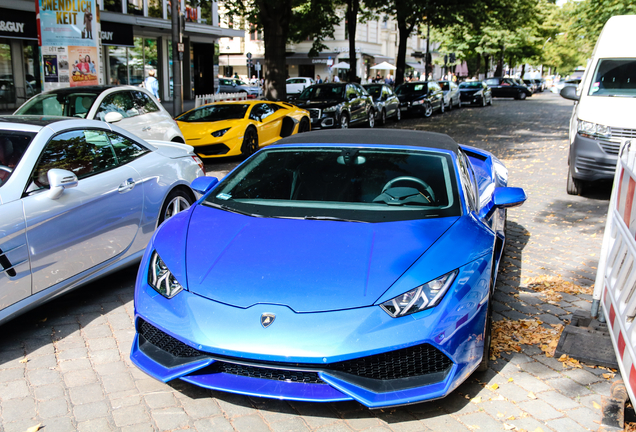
59	180
113	117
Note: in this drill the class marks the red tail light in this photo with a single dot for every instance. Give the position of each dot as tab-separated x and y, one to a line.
200	163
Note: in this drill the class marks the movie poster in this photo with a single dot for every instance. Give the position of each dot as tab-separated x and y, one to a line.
68	32
50	68
83	65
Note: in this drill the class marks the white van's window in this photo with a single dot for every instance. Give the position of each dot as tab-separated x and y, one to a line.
614	77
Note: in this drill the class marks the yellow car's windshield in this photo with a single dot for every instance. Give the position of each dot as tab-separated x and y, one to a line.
212	113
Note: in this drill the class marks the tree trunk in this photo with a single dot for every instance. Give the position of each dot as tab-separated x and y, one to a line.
523	70
275	16
487	65
500	61
404	31
353	6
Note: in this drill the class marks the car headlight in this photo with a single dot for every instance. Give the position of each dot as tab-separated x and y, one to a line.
418	102
421	298
331	108
220	133
161	279
593	130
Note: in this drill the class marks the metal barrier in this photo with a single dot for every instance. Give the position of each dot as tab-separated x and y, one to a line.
615	287
217	97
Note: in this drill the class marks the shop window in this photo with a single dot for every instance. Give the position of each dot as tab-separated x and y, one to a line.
7	85
117	57
32	68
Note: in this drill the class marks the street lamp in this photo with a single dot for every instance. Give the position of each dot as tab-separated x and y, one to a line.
227	68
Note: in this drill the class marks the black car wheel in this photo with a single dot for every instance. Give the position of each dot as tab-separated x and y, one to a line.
574	186
428	109
383	118
442	107
250	142
490	102
483	366
522	95
344	121
450	104
483	101
304	125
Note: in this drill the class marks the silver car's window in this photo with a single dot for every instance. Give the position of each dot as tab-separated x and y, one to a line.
121	102
614	77
83	152
13	145
369	185
126	150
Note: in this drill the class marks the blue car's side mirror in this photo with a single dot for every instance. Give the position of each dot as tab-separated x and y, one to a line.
506	197
203	184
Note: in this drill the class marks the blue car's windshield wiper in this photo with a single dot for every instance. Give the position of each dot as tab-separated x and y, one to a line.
331	218
231	209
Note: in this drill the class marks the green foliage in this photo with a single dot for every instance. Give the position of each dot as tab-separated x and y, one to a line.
593	14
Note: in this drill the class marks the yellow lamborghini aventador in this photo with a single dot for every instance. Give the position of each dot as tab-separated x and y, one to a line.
234	128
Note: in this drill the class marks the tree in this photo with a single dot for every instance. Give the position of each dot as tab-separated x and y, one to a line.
284	21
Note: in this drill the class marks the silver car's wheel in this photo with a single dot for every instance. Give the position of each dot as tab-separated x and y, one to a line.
428	110
398	114
344	122
371	119
176	202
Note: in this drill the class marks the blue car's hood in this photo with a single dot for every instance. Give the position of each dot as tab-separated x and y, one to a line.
307	265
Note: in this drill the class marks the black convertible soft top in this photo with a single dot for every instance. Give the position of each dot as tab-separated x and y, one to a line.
375	136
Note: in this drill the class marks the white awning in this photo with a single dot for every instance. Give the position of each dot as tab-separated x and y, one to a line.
418	66
384	66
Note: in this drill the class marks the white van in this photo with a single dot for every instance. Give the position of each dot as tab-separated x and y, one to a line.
603	114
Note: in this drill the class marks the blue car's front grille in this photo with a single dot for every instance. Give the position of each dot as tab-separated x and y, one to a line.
424	362
409	362
266	373
166	342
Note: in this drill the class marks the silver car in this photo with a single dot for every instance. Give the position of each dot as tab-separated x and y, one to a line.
132	108
451	94
79	199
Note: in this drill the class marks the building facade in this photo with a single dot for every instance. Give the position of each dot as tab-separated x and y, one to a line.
376	42
136	37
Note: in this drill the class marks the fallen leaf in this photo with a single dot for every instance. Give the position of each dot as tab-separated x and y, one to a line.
531	395
596	405
34	428
24	360
508	426
608	376
493	387
511	418
474	427
500	414
476	400
523	415
510	379
538	430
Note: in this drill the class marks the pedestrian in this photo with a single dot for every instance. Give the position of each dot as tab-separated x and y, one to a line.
318	79
336	79
152	84
236	75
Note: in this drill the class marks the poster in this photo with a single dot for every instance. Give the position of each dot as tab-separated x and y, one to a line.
68	22
83	65
68	32
50	68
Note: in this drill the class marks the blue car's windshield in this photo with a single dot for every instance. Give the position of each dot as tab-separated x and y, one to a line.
368	185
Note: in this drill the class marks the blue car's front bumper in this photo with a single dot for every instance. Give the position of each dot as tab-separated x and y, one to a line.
320	357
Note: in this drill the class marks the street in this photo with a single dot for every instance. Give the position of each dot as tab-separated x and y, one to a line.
66	365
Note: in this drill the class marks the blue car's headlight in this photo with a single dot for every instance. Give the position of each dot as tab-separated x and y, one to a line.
220	133
418	299
161	279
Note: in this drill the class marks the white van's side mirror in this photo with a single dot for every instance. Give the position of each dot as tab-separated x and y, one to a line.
569	92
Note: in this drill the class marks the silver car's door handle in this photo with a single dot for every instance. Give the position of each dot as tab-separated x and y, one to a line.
147	128
126	186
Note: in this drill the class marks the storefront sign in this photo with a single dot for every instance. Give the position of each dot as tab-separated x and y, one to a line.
115	34
18	24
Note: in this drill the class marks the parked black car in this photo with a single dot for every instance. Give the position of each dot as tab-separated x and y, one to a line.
475	93
386	101
508	87
421	97
337	105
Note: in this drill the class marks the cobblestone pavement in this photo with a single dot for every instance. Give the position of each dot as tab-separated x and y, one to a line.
78	375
